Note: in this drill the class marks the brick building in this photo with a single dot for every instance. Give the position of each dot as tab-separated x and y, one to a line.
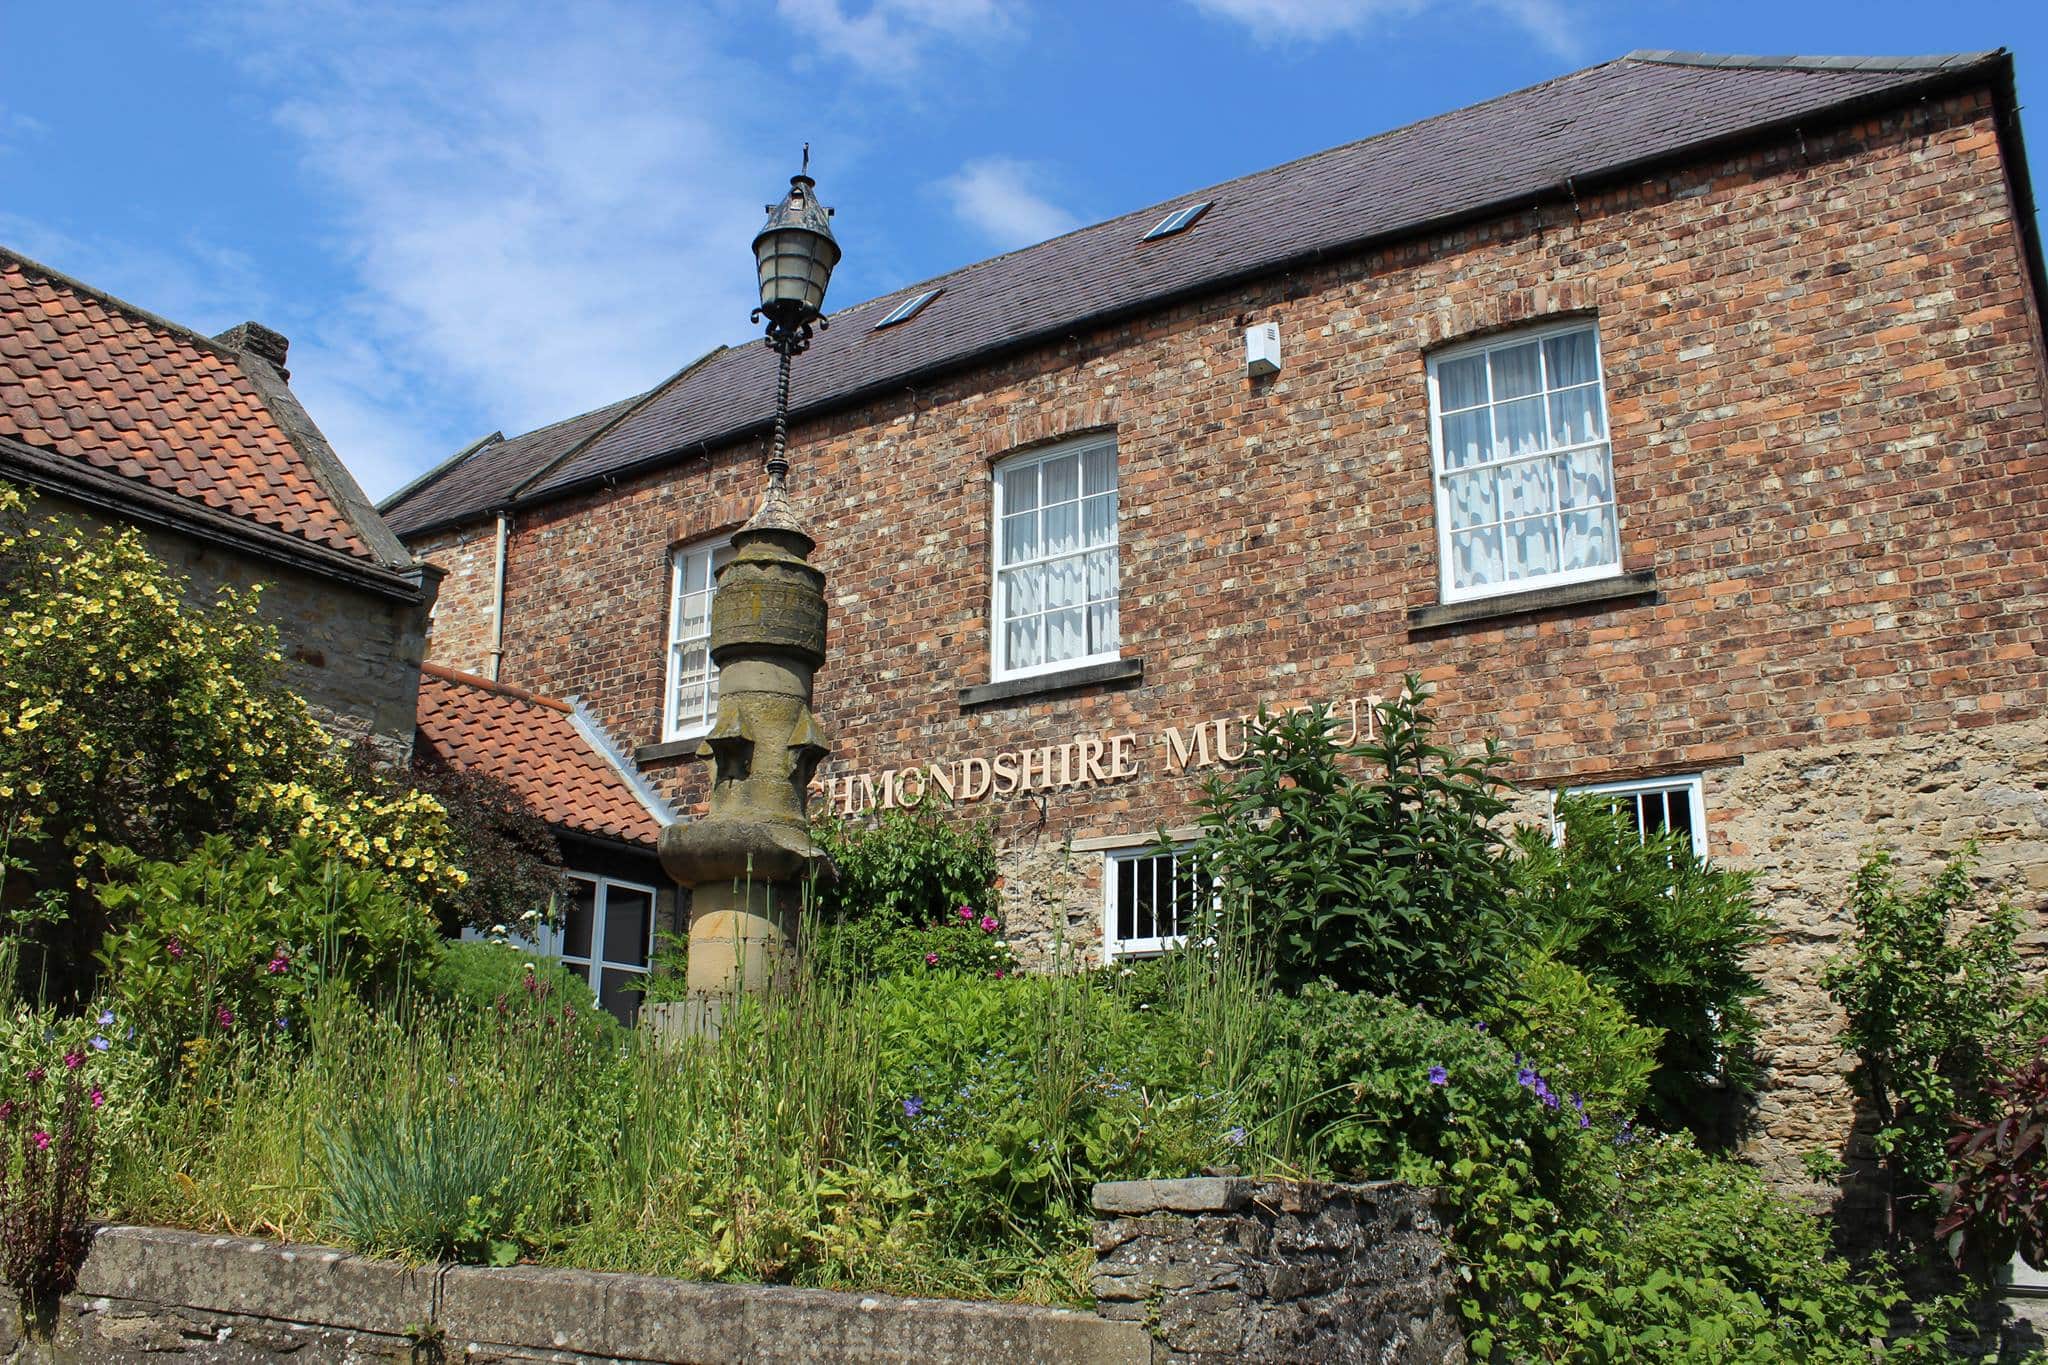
121	418
1679	418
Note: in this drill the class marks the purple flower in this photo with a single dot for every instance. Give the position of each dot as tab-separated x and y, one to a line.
1235	1137
1439	1076
106	1018
6	1110
99	1097
35	1075
1585	1122
1526	1076
73	1060
175	949
41	1139
279	965
912	1107
100	1044
1481	1026
224	1016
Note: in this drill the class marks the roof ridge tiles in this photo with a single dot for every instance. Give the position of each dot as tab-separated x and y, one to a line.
632	406
503	689
1936	61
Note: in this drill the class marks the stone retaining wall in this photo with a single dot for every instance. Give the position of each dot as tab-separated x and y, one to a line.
1336	1272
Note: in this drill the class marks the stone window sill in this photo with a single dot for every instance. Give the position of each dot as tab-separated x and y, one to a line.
664	752
1629	587
1041	684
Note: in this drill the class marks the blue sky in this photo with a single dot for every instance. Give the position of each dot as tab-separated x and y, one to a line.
472	216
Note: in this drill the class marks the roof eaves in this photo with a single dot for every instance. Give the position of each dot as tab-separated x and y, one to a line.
435	474
144	502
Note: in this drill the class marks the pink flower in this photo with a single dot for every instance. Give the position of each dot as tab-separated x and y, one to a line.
966	912
175	949
73	1060
35	1075
224	1016
41	1139
988	924
999	976
279	965
6	1110
931	959
99	1097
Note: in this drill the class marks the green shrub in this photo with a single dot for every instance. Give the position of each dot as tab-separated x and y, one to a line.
1580	1034
1390	880
226	941
485	977
901	885
1931	986
1667	934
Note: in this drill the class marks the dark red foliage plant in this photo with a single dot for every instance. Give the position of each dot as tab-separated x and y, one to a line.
46	1152
1996	1199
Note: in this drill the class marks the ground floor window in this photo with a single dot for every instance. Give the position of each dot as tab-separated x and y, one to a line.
605	931
1149	900
1659	804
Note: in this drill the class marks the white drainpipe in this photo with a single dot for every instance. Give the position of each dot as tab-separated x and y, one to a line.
498	604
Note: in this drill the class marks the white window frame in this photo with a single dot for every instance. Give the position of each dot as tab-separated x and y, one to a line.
671	728
1447	588
1692	784
594	968
1113	947
999	668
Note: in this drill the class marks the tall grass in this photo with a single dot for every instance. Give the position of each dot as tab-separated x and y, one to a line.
777	1151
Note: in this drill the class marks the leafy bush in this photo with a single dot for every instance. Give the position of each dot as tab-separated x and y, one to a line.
484	977
1995	1201
1391	880
1931	986
900	885
424	1181
229	940
1581	1035
1666	933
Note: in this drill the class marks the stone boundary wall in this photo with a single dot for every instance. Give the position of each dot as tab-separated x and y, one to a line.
1231	1269
1336	1272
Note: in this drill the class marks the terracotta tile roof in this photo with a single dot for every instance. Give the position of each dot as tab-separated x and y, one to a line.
1606	122
534	744
88	378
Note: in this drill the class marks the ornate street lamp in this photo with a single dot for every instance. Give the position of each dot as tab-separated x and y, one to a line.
747	862
794	253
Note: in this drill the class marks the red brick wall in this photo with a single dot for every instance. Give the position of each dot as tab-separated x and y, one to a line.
1824	386
460	636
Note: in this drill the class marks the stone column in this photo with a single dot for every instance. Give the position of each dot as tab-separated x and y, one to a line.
746	863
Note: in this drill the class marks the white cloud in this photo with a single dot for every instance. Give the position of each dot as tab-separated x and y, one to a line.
535	226
1279	20
890	38
996	196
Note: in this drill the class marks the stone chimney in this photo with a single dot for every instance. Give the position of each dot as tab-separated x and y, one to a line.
256	339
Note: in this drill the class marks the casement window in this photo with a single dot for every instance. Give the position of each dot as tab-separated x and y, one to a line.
1523	470
1660	804
1150	900
691	700
604	930
1056	559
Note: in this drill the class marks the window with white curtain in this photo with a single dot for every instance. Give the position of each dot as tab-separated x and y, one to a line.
1523	469
1056	559
692	697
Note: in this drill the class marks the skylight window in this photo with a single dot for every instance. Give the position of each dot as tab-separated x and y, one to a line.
908	309
1180	220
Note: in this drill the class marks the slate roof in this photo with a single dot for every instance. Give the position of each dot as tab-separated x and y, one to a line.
1605	122
541	748
90	379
